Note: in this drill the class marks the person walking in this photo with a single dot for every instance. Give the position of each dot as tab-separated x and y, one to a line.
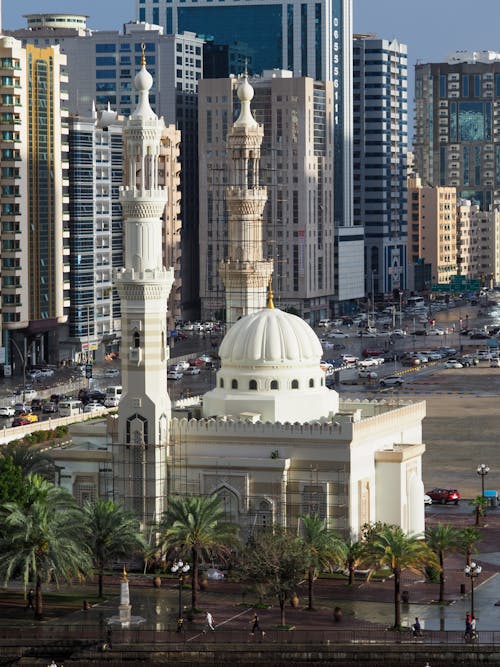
209	622
30	599
417	628
468	621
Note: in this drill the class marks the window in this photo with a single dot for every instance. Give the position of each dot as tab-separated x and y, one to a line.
295	384
136	340
274	384
311	382
234	384
252	385
221	383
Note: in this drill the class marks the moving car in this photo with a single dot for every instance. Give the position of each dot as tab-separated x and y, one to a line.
20	421
111	402
444	496
192	370
174	375
452	363
435	331
427	499
111	372
7	411
93	405
391	381
49	407
365	374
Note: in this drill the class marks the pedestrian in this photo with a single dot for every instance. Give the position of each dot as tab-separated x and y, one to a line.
255	625
209	622
468	621
417	628
473	627
30	599
53	664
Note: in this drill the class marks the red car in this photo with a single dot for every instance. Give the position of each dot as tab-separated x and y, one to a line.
21	421
444	496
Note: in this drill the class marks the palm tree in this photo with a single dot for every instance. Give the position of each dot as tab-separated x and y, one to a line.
324	546
479	503
354	557
111	533
467	540
441	539
195	526
390	547
30	460
42	538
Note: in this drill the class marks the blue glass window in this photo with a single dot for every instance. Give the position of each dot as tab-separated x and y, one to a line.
303	36
477	165
105	48
477	85
258	26
453	121
289	14
105	60
497	85
169	21
471	121
105	74
442	85
497	165
142	14
466	167
317	41
465	85
149	47
106	86
156	15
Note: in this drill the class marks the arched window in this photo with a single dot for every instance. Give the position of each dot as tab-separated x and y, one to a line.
274	384
295	384
137	339
252	385
221	383
234	384
311	382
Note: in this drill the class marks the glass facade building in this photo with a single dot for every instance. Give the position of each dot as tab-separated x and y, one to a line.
456	125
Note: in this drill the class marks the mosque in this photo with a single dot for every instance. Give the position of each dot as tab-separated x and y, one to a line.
271	440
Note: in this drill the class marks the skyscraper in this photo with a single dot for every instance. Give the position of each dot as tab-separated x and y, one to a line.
312	39
380	114
457	129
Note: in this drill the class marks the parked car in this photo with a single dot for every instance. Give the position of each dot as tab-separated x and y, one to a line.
7	411
49	407
427	499
444	496
192	370
111	372
391	381
174	375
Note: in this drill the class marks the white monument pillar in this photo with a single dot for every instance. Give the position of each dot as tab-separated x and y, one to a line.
245	273
143	285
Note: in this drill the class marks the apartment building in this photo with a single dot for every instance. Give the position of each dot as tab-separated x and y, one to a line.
479	243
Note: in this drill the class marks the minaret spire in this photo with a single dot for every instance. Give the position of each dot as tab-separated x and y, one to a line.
143	285
245	273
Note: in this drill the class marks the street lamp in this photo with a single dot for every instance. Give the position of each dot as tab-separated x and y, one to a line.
482	470
473	570
181	568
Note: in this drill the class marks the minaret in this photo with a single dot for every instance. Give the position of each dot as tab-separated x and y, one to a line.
245	273
143	286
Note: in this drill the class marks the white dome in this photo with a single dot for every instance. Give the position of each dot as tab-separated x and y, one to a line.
270	337
270	369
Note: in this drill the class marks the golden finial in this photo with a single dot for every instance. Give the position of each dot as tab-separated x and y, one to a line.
124	574
270	295
143	57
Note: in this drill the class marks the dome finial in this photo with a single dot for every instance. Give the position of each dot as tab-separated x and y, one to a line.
143	57
270	295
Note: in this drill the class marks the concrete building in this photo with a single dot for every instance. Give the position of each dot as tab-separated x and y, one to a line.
296	167
101	65
380	120
311	39
478	246
433	234
34	186
143	285
457	127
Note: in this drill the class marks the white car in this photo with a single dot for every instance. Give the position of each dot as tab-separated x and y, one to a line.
326	344
111	402
367	334
91	407
365	374
435	332
7	411
174	375
452	363
111	372
337	334
366	363
391	381
399	333
182	365
427	499
349	359
192	370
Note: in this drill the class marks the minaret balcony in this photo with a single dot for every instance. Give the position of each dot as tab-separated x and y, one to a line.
142	204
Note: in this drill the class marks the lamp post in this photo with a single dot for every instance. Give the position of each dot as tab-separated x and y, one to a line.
181	568
482	470
472	571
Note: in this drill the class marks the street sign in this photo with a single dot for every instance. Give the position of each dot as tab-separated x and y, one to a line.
88	371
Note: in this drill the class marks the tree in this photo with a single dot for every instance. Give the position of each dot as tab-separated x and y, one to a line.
326	549
111	533
279	559
30	460
480	504
441	539
42	538
390	547
195	528
355	553
11	481
467	540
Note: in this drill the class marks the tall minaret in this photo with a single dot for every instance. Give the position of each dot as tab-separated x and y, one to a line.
245	273
143	286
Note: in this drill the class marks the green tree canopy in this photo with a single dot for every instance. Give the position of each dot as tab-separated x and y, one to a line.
43	538
194	527
12	488
326	549
278	559
467	541
30	460
390	547
111	533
